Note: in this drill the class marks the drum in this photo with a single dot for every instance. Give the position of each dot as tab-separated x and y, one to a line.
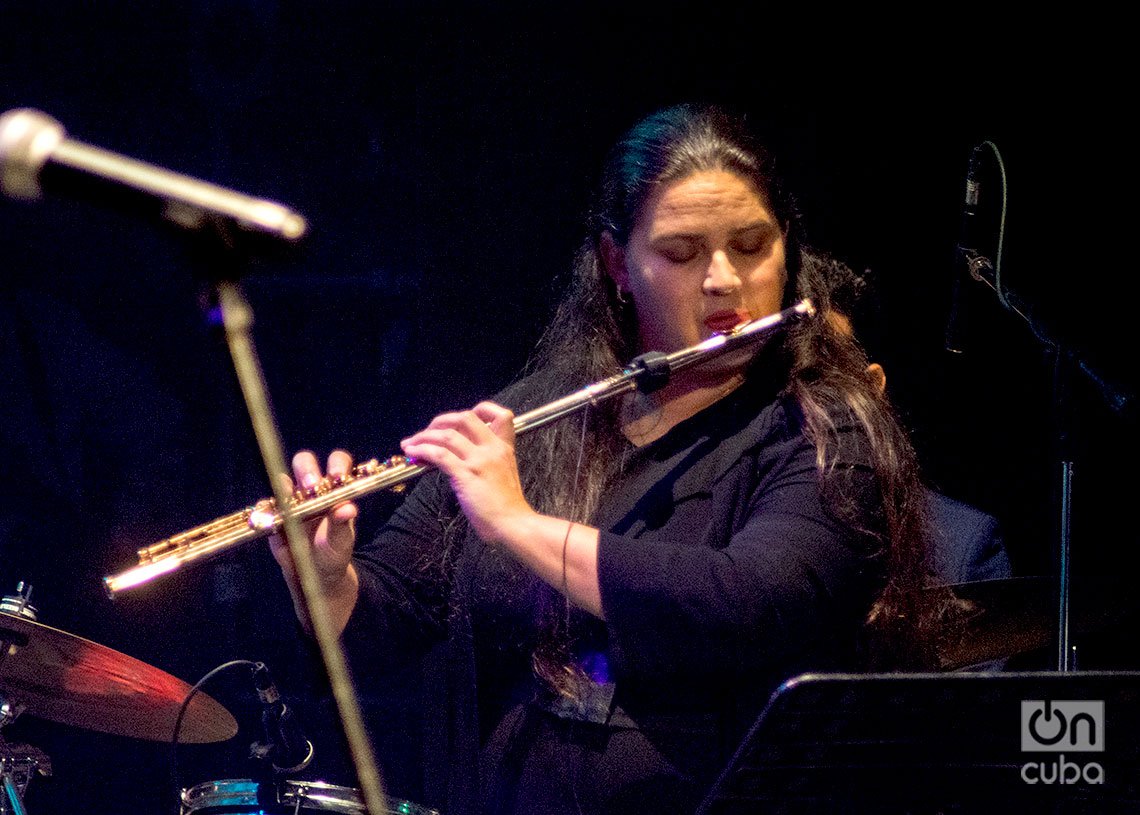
18	764
240	795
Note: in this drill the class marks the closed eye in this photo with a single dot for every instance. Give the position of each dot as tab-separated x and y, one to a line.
677	250
755	240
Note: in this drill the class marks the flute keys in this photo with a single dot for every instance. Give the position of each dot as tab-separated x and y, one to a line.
397	461
370	467
263	515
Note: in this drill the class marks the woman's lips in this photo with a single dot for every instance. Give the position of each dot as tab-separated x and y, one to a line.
727	319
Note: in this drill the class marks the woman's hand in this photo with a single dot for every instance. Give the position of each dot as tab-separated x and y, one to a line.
331	539
476	450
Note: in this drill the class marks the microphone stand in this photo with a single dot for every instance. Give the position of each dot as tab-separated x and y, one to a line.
1065	360
223	257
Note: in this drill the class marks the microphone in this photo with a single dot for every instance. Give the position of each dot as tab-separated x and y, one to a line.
285	747
36	156
966	255
968	241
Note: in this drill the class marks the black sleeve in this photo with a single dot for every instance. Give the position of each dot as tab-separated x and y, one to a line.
968	543
406	570
404	578
790	580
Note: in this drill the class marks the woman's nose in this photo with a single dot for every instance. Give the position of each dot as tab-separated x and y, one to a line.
721	277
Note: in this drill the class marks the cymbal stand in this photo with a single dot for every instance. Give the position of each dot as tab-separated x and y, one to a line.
1066	361
18	763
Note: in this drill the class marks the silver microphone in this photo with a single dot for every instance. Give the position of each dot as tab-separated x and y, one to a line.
37	157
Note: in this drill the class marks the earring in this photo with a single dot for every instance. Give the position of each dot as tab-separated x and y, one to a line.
623	297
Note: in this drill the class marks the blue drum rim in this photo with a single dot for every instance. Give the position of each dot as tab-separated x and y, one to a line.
239	795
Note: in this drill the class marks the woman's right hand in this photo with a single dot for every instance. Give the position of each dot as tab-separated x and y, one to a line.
331	538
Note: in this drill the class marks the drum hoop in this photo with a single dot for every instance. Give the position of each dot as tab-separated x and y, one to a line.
329	797
236	793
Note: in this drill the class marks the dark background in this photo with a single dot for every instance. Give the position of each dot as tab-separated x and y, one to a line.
444	155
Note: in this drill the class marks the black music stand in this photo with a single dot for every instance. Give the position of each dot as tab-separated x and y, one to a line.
922	744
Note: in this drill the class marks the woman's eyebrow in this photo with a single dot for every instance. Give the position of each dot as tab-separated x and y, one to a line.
765	226
683	234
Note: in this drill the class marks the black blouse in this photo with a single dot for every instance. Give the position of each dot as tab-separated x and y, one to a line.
726	565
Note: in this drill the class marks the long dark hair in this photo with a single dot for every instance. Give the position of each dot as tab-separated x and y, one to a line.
566	469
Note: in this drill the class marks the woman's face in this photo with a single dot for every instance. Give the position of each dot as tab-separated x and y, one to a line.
705	254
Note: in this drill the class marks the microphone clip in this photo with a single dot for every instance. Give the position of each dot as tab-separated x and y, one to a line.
285	748
976	263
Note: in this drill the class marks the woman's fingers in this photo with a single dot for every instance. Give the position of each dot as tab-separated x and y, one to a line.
332	535
475	449
462	433
306	469
500	420
339	464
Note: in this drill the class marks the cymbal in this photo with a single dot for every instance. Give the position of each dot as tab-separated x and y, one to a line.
1015	615
67	679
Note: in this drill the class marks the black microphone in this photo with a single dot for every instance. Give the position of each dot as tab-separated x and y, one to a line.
966	256
285	747
36	156
968	252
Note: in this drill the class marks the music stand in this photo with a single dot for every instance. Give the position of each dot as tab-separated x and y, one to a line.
939	743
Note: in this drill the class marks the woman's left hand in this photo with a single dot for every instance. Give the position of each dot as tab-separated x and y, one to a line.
476	450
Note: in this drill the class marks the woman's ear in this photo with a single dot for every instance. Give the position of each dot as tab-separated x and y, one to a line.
613	261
